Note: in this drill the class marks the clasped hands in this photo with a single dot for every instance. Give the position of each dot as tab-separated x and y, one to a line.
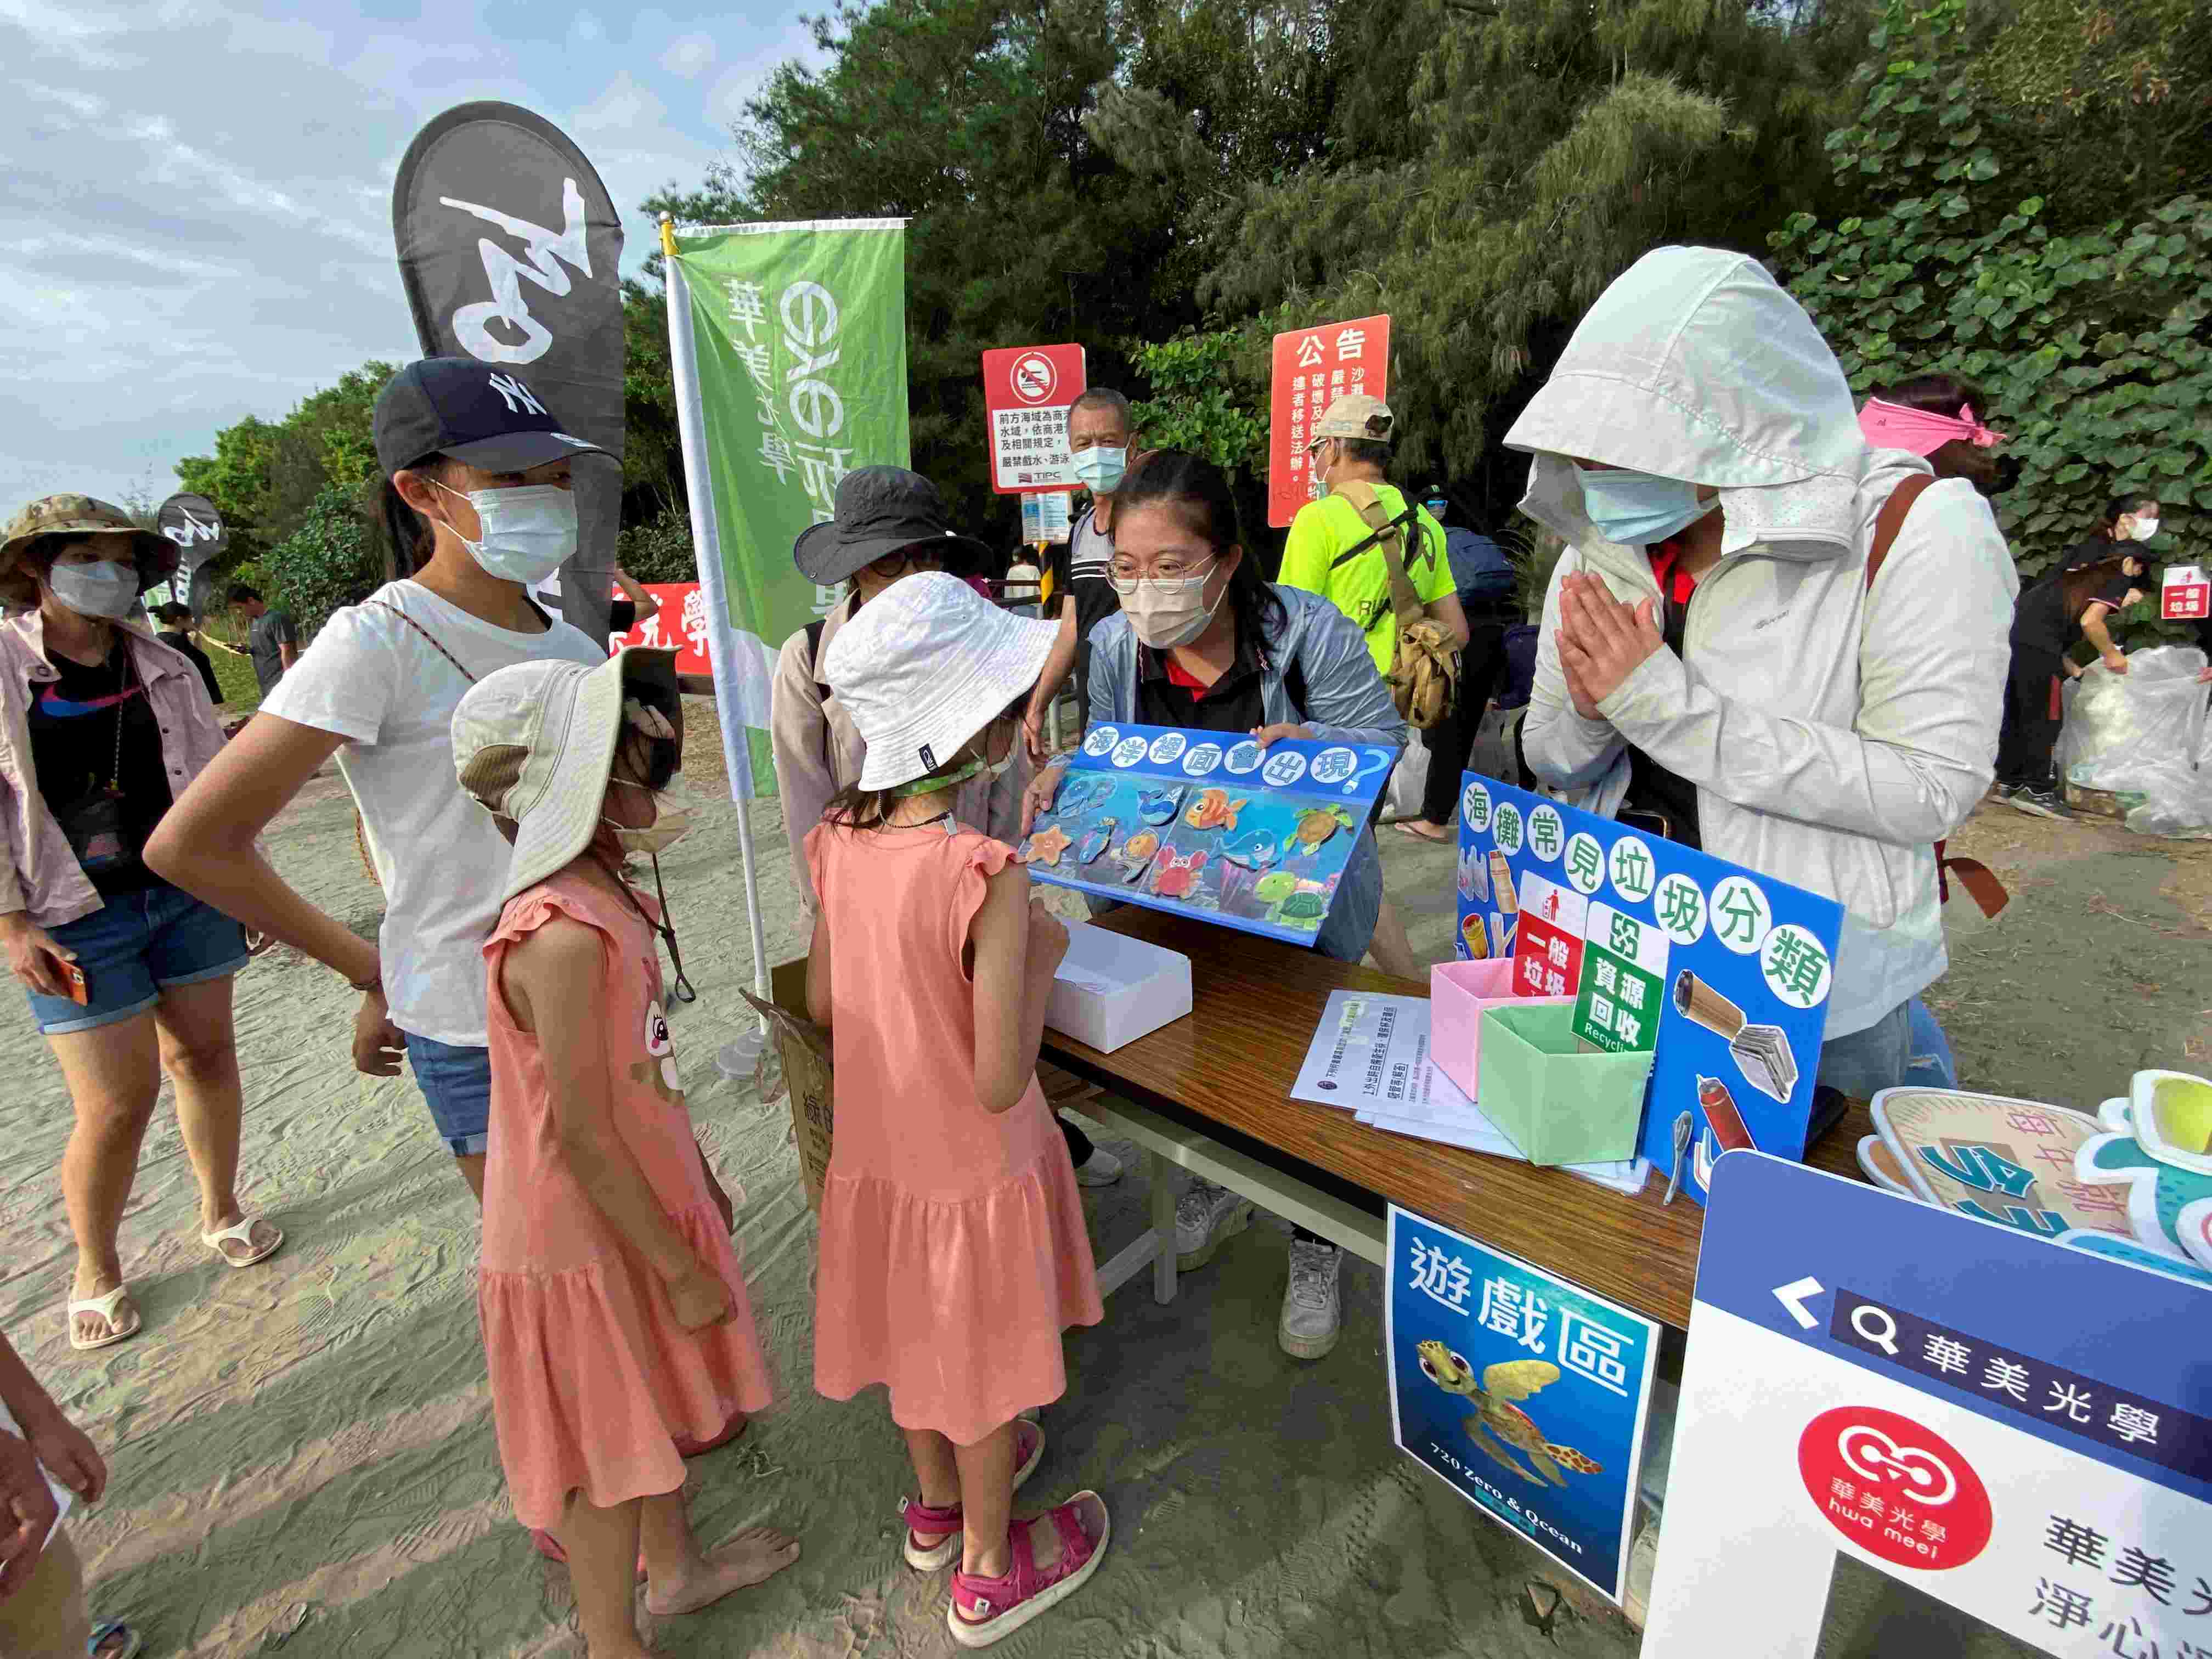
1602	641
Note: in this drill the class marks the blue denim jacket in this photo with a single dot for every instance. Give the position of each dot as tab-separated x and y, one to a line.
1347	702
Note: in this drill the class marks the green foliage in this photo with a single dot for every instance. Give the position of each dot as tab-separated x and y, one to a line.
659	549
1197	404
331	560
2094	340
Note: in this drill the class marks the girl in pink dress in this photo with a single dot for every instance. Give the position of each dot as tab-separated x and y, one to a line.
614	1311
953	1248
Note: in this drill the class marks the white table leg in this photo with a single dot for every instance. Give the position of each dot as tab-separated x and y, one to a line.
1159	1170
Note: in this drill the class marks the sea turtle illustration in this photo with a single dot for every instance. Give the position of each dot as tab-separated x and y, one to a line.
1046	846
1495	1424
1214	810
1272	889
1255	849
1302	909
1159	805
1178	876
1093	841
1316	824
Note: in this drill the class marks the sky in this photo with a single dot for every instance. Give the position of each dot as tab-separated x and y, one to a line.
198	205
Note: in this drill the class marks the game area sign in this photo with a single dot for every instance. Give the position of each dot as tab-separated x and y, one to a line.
1207	824
1722	974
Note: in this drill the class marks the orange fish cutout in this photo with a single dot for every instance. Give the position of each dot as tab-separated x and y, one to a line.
1214	810
1047	845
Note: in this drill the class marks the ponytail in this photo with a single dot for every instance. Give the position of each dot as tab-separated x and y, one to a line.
408	538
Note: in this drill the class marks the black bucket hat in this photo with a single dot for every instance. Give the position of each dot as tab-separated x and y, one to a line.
880	511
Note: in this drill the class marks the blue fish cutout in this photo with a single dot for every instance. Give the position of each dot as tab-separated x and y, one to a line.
1159	805
1255	850
1093	841
1079	794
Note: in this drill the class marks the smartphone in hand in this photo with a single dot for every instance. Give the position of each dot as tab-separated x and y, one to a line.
79	988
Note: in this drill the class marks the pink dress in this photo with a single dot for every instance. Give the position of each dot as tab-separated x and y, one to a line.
953	1247
591	1376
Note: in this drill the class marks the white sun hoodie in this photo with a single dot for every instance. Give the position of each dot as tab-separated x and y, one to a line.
1834	734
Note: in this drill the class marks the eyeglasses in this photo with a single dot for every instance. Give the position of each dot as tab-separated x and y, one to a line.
907	558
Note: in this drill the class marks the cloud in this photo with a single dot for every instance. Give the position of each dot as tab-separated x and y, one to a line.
689	55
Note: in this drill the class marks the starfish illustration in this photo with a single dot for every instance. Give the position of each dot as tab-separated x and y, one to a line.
1047	845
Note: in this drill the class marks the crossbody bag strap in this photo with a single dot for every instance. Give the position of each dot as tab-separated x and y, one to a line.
1389	536
1891	519
428	636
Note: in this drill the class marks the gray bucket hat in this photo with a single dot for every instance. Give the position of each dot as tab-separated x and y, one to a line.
880	510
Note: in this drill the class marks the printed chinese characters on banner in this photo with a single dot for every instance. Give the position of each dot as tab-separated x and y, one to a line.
1313	367
681	626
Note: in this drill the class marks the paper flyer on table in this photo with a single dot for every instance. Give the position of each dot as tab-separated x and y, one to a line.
1370	1057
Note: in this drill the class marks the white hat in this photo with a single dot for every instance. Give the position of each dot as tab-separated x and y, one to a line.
535	742
924	666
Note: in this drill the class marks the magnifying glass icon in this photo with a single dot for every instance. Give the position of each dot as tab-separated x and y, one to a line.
1876	1326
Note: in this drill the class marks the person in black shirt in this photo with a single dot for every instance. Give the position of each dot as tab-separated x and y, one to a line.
2046	622
176	633
2128	520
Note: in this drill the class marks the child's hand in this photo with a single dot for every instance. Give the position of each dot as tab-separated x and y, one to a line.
700	1298
1048	943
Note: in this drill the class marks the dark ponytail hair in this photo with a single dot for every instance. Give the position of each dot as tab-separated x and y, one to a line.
2079	586
1198	490
1937	394
408	538
2120	506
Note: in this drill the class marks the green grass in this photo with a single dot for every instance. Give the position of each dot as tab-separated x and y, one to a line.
241	692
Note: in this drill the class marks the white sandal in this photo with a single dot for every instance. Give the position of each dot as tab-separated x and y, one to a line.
105	1307
242	1233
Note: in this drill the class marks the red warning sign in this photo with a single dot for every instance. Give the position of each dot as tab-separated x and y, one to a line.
1027	391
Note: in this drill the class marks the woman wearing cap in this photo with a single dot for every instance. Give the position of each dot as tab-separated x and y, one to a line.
128	976
890	523
477	509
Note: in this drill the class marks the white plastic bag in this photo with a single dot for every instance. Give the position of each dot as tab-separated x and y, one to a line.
2143	733
1408	781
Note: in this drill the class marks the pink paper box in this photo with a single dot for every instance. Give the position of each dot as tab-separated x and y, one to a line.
1458	993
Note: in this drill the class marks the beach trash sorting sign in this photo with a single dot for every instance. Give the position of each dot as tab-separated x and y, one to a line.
1027	393
2185	593
1721	974
1312	368
1206	825
1921	1433
1526	1393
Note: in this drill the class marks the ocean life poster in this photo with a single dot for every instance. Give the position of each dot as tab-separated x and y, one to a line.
1207	824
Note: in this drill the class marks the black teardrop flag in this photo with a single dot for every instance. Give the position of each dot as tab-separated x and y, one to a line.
509	247
193	523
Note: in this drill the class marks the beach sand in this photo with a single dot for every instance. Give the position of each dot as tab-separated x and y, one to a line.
302	1453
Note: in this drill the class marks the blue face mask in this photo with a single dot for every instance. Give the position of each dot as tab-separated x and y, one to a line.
1100	470
1639	508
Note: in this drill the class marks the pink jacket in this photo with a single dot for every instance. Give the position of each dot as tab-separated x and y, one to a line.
38	872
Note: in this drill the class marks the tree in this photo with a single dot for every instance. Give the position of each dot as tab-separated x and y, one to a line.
2093	338
331	560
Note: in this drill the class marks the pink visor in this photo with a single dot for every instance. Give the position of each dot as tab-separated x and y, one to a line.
1893	426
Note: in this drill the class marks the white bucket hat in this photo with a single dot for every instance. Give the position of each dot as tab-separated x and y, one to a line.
535	742
924	666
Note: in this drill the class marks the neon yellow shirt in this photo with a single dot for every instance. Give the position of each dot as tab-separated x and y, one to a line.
1360	587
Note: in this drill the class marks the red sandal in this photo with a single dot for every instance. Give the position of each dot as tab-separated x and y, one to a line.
921	1517
988	1610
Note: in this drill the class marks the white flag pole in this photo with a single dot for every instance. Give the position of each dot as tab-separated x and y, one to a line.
722	649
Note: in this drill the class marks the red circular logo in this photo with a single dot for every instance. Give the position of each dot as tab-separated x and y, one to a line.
1893	1488
1034	378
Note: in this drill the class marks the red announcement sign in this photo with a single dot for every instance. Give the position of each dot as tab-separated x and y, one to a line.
681	623
1027	391
1314	367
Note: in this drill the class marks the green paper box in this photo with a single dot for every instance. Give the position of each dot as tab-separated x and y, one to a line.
1558	1104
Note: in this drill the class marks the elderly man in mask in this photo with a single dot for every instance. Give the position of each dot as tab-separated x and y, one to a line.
1724	662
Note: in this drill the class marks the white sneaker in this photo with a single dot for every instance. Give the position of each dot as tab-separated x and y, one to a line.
1312	1311
1101	1168
1205	1216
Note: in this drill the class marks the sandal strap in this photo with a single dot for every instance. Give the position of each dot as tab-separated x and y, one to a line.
104	1306
921	1517
241	1231
1026	1579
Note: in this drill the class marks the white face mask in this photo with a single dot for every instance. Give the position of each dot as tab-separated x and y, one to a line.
673	816
1168	611
2144	529
529	532
105	589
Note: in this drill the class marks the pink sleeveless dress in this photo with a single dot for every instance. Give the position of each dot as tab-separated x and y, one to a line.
591	1376
953	1247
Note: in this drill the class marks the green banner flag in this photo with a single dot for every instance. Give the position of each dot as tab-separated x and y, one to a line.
788	346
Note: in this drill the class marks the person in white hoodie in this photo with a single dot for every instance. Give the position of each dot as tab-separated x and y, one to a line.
1714	664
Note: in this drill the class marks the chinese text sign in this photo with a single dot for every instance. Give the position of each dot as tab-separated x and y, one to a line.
1313	367
680	626
1027	392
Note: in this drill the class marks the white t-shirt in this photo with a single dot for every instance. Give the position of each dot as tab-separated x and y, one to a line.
374	680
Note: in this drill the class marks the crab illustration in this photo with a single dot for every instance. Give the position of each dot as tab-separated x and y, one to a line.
1178	876
1214	810
1047	845
1496	1425
1316	824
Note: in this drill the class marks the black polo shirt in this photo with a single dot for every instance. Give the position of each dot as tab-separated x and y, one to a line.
1167	697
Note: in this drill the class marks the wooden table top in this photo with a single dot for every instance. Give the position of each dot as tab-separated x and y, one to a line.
1255	1004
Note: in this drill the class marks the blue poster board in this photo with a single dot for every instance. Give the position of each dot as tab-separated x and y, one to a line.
1525	1393
1736	966
1203	823
1894	1411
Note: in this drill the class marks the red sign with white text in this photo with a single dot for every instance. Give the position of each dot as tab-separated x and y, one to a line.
681	623
1026	392
2185	595
1314	367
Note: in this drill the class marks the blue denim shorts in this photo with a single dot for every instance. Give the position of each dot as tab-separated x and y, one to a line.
456	1083
133	948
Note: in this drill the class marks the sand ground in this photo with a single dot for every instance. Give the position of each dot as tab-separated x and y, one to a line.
303	1457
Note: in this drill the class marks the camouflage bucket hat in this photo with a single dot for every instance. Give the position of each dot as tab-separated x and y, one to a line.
75	516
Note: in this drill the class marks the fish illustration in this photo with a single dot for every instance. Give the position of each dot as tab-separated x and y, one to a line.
1079	794
1255	849
1046	846
1214	810
1137	852
1178	876
1093	840
1159	805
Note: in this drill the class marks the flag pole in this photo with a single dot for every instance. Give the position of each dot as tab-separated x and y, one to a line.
707	542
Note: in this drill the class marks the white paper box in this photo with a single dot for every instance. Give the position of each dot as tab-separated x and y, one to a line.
1112	989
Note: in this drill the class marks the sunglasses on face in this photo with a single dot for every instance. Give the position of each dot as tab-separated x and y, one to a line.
897	564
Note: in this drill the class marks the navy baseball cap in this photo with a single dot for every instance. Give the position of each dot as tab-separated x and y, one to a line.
480	414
